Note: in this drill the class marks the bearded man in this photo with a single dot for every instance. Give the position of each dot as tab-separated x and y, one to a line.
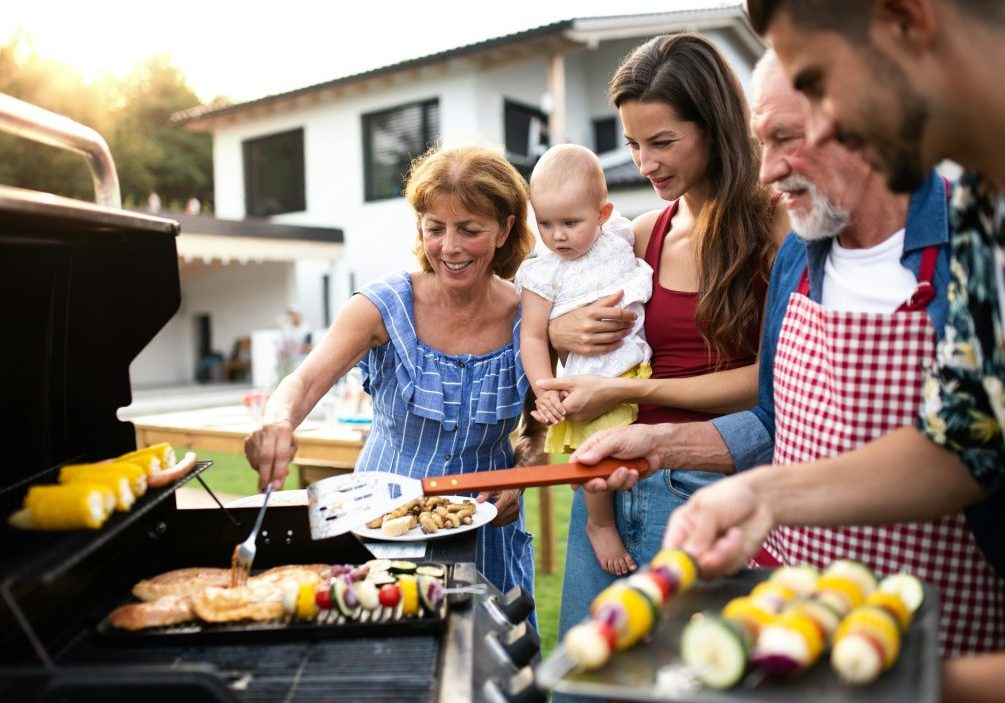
856	301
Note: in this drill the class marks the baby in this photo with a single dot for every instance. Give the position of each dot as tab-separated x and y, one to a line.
590	255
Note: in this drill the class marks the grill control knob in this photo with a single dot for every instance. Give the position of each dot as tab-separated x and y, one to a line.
521	645
514	607
520	689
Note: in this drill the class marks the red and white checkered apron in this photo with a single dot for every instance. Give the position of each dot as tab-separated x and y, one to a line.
841	380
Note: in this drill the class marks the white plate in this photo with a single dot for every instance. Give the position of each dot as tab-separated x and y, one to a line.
484	514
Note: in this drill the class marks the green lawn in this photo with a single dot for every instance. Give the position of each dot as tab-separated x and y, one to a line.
230	473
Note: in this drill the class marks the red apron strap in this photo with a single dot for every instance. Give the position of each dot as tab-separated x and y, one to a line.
925	292
804	283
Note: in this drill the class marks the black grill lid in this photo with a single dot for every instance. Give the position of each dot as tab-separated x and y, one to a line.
83	289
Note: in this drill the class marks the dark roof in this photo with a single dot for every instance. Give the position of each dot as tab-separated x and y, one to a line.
264	229
201	111
218	109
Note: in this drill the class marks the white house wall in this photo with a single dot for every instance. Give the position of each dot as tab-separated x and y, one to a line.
169	358
379	236
239	298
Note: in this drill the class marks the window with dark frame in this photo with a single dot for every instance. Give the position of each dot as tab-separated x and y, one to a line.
605	134
391	139
525	129
274	174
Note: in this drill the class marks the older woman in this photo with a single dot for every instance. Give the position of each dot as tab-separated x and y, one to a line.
439	349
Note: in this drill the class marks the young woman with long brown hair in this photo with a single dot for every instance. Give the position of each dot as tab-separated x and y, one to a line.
685	119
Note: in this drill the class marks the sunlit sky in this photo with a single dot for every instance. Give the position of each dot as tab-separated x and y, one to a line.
251	49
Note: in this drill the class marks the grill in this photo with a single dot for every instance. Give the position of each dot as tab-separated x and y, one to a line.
83	288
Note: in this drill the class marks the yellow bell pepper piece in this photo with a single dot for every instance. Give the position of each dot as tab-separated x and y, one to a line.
876	623
681	562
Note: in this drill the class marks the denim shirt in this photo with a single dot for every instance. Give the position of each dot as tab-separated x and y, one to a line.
750	435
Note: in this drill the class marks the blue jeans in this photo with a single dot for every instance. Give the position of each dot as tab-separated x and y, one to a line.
641	515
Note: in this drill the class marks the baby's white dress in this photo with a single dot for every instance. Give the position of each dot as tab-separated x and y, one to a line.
608	266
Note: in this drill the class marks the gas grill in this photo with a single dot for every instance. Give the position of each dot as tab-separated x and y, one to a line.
83	288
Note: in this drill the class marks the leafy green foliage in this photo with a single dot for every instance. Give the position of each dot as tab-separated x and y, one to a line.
133	115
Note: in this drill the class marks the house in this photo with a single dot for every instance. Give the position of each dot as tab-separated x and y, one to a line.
332	155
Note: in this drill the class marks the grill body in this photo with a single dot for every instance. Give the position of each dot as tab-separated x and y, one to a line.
83	288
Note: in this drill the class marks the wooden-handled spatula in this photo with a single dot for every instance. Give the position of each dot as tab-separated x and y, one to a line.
340	504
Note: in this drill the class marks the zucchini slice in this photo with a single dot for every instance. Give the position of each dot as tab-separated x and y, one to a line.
402	567
345	599
716	648
379	578
431	570
378	564
430	592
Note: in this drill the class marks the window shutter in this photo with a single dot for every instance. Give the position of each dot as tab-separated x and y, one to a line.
392	138
274	179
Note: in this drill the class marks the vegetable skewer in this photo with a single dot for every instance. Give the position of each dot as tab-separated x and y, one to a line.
868	641
622	615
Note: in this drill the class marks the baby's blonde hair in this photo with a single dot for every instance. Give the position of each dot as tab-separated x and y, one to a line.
564	162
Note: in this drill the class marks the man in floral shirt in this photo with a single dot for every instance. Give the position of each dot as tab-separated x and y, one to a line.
964	396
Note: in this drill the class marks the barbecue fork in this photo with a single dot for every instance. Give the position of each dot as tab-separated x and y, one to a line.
244	553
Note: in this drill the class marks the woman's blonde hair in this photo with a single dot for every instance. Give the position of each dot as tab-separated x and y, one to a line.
733	230
484	182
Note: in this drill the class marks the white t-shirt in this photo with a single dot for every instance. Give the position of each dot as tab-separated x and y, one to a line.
867	280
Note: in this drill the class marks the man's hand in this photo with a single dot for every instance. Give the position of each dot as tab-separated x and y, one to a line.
592	329
621	443
270	449
723	525
585	397
506	502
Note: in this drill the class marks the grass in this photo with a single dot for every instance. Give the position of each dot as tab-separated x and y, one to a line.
230	473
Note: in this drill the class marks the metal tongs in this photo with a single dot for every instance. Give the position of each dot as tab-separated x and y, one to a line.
244	553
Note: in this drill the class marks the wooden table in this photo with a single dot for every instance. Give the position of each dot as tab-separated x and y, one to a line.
223	429
324	449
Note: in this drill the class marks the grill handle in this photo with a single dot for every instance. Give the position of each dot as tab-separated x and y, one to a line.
527	476
32	122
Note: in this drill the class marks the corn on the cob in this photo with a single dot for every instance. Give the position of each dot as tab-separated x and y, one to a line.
154	459
131	471
117	482
63	507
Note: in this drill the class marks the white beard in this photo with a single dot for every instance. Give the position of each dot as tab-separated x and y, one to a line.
823	220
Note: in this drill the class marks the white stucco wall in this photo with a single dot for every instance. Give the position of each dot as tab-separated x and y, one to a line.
379	236
239	298
169	358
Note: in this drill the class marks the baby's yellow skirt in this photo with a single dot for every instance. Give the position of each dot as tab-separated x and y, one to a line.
566	435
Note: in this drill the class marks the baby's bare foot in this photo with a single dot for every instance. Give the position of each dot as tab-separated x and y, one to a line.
609	549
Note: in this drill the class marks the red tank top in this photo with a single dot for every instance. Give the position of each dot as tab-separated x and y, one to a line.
671	330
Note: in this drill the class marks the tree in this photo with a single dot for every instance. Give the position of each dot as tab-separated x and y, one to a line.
133	115
156	154
27	164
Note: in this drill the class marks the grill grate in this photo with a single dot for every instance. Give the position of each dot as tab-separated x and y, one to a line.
366	670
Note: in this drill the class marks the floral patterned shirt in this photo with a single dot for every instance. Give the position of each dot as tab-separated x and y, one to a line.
964	408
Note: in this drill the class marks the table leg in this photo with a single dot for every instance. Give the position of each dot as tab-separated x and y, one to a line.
547	516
